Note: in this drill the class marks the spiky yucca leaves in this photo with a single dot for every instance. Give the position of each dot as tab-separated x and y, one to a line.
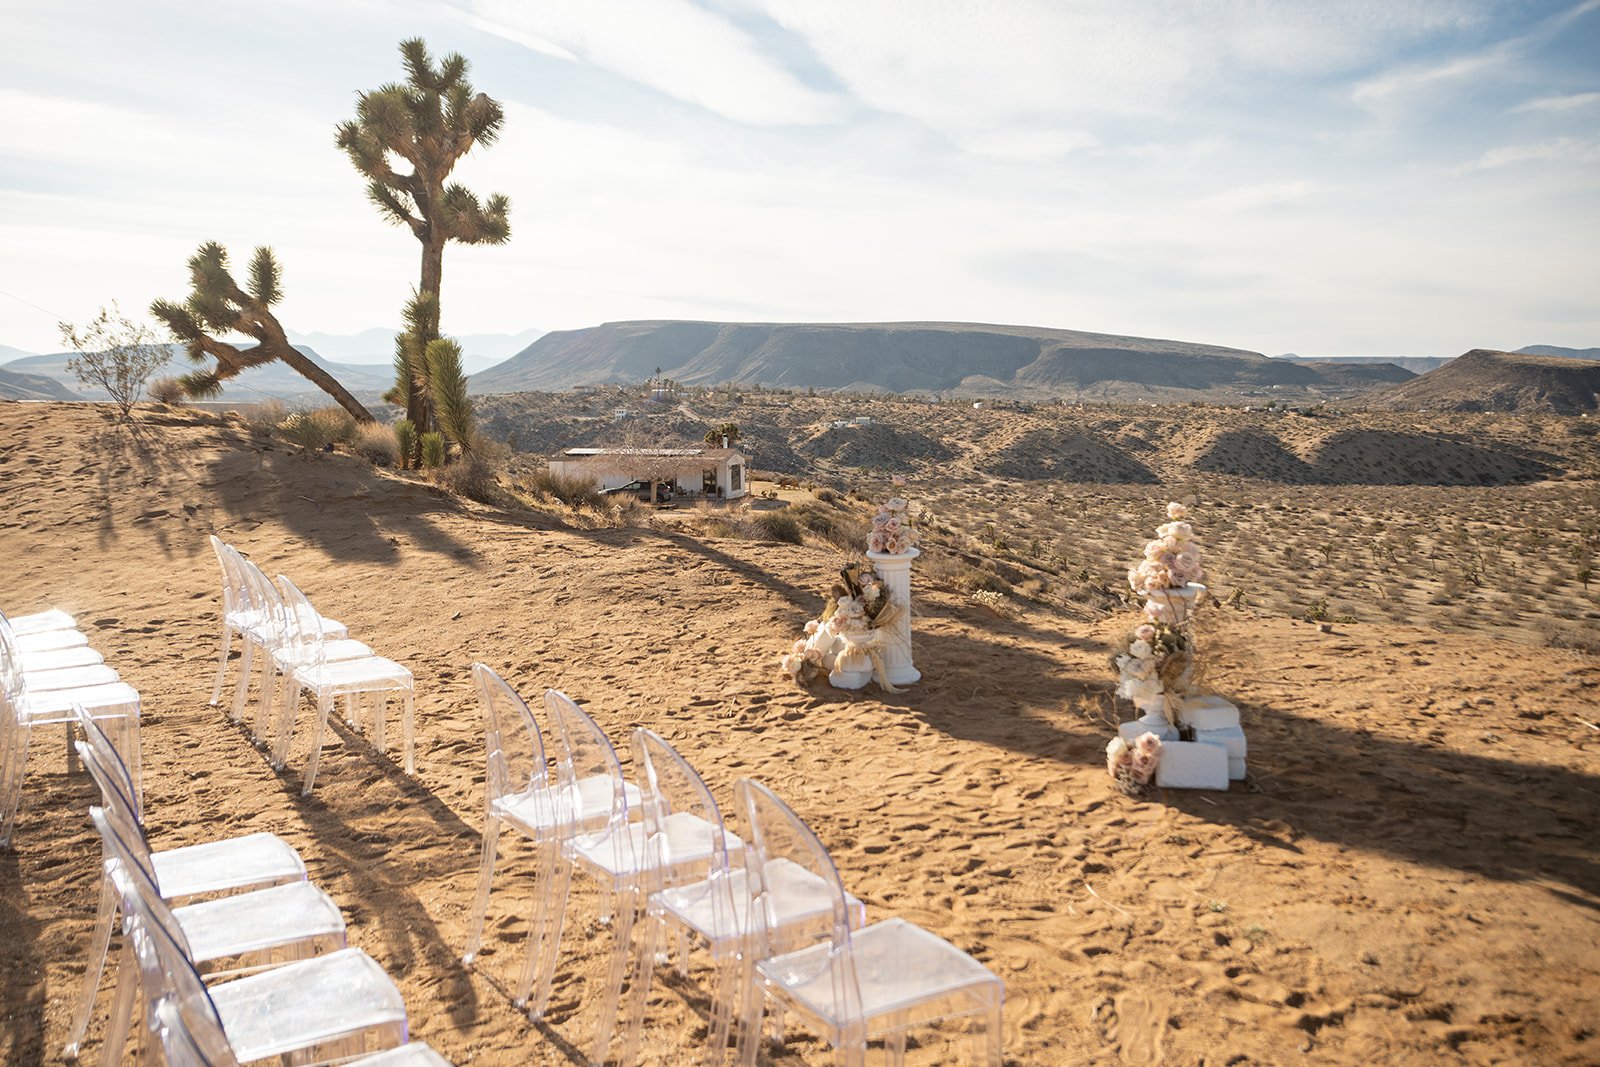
405	435
433	451
411	387
427	123
217	305
447	383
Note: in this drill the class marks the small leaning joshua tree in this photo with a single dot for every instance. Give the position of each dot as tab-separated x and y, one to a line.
116	354
217	305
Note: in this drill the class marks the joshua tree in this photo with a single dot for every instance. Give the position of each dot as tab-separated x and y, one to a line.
728	432
217	305
429	123
115	353
430	372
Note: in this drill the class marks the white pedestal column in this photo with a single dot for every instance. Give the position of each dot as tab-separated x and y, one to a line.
896	574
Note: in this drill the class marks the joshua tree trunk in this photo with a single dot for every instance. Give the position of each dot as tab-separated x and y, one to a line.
326	382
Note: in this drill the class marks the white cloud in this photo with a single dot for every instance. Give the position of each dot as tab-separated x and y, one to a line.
672	46
1561	149
1561	103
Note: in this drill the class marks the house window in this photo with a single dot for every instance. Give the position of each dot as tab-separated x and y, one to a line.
735	477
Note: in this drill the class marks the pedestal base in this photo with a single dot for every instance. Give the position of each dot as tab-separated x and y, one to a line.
1132	731
1192	765
849	679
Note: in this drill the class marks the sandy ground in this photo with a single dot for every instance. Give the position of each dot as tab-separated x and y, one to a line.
1409	877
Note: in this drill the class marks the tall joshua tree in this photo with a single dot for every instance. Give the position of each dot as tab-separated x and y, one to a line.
428	123
218	305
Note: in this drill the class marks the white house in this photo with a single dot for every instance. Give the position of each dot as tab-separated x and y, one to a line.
720	473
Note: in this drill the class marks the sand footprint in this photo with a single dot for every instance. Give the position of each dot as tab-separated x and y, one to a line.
1132	1024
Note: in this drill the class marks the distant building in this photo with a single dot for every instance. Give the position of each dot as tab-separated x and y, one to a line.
719	473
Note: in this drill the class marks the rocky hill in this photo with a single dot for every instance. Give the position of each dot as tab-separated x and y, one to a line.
20	386
912	357
1483	380
272	380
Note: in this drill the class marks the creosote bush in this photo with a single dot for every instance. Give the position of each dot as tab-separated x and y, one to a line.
473	476
318	431
573	492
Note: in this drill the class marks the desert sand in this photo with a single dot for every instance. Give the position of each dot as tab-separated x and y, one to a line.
1409	876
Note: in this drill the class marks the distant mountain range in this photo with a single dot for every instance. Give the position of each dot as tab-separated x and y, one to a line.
362	363
912	357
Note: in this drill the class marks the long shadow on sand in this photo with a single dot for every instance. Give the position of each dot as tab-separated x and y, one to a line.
1414	801
22	1030
338	505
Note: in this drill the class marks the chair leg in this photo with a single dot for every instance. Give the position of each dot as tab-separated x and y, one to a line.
122	1007
14	763
993	1034
754	998
480	902
379	734
99	949
644	958
324	707
896	1045
222	664
270	680
132	758
621	946
724	1002
409	731
552	914
241	691
285	725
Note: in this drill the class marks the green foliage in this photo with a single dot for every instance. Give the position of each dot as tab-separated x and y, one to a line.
405	436
715	435
447	383
433	451
116	354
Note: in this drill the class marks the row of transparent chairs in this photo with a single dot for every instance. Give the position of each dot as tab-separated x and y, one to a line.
778	923
301	650
304	994
46	668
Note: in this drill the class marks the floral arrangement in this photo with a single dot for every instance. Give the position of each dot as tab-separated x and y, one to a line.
892	532
846	633
1156	662
1133	766
1172	560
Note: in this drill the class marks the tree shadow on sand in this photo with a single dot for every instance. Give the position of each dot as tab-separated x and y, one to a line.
1414	801
343	510
22	1029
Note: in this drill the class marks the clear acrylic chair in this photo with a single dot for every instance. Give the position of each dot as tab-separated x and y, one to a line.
331	1007
329	679
238	614
274	638
617	855
23	708
879	981
181	1047
693	897
519	794
191	872
240	934
42	622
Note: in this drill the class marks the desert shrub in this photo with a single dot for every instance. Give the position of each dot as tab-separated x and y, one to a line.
267	415
842	529
780	526
319	430
340	424
826	495
405	436
432	450
116	354
573	492
474	477
377	444
167	391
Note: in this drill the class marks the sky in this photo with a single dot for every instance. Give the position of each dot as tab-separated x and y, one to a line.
1323	177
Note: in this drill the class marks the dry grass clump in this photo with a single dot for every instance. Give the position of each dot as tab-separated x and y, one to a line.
377	444
474	476
319	430
571	491
266	416
167	391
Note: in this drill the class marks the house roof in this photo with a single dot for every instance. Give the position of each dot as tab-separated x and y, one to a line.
684	453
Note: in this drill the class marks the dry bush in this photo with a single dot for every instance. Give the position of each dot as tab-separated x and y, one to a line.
842	529
267	415
779	526
319	430
168	391
473	476
377	444
575	492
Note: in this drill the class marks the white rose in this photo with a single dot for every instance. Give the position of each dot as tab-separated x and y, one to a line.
1140	649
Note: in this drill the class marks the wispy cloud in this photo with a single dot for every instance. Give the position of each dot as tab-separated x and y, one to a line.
1560	149
672	46
1561	103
